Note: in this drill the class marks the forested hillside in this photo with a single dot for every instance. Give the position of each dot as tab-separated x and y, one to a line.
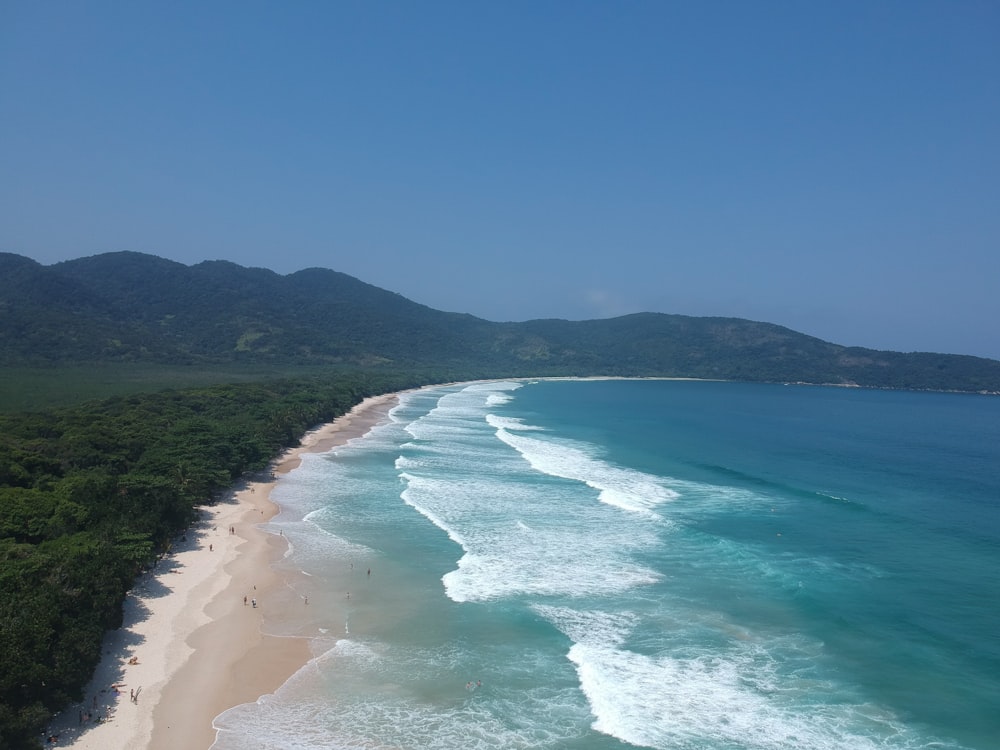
130	307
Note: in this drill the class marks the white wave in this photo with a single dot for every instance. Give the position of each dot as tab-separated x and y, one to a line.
510	423
627	489
518	530
556	573
355	695
716	698
607	628
346	648
522	537
406	496
311	546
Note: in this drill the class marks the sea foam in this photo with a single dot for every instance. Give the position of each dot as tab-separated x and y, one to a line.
627	489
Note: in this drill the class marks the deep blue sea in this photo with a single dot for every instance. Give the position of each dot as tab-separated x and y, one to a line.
605	564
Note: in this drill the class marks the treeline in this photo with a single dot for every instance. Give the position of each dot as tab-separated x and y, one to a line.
89	496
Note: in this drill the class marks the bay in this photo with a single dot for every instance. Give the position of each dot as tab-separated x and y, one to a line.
666	564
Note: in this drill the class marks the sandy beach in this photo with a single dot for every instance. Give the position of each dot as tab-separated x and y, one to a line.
190	644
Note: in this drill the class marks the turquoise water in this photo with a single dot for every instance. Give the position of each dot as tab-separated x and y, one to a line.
661	564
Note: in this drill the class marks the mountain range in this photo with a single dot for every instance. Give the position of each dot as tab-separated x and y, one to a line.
134	307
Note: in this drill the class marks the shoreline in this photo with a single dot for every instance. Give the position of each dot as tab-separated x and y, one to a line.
243	718
198	648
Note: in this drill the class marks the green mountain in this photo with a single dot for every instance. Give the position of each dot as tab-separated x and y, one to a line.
132	307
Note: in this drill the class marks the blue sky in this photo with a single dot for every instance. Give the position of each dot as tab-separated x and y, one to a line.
833	167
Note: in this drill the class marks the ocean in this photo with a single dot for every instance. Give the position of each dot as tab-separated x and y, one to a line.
601	564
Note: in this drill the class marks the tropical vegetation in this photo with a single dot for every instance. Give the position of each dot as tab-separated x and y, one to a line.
91	495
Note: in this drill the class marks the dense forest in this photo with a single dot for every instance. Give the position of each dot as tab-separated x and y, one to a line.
131	308
91	495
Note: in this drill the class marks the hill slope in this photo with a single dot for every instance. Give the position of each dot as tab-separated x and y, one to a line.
126	307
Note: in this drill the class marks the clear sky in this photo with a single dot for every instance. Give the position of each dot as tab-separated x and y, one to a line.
829	166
